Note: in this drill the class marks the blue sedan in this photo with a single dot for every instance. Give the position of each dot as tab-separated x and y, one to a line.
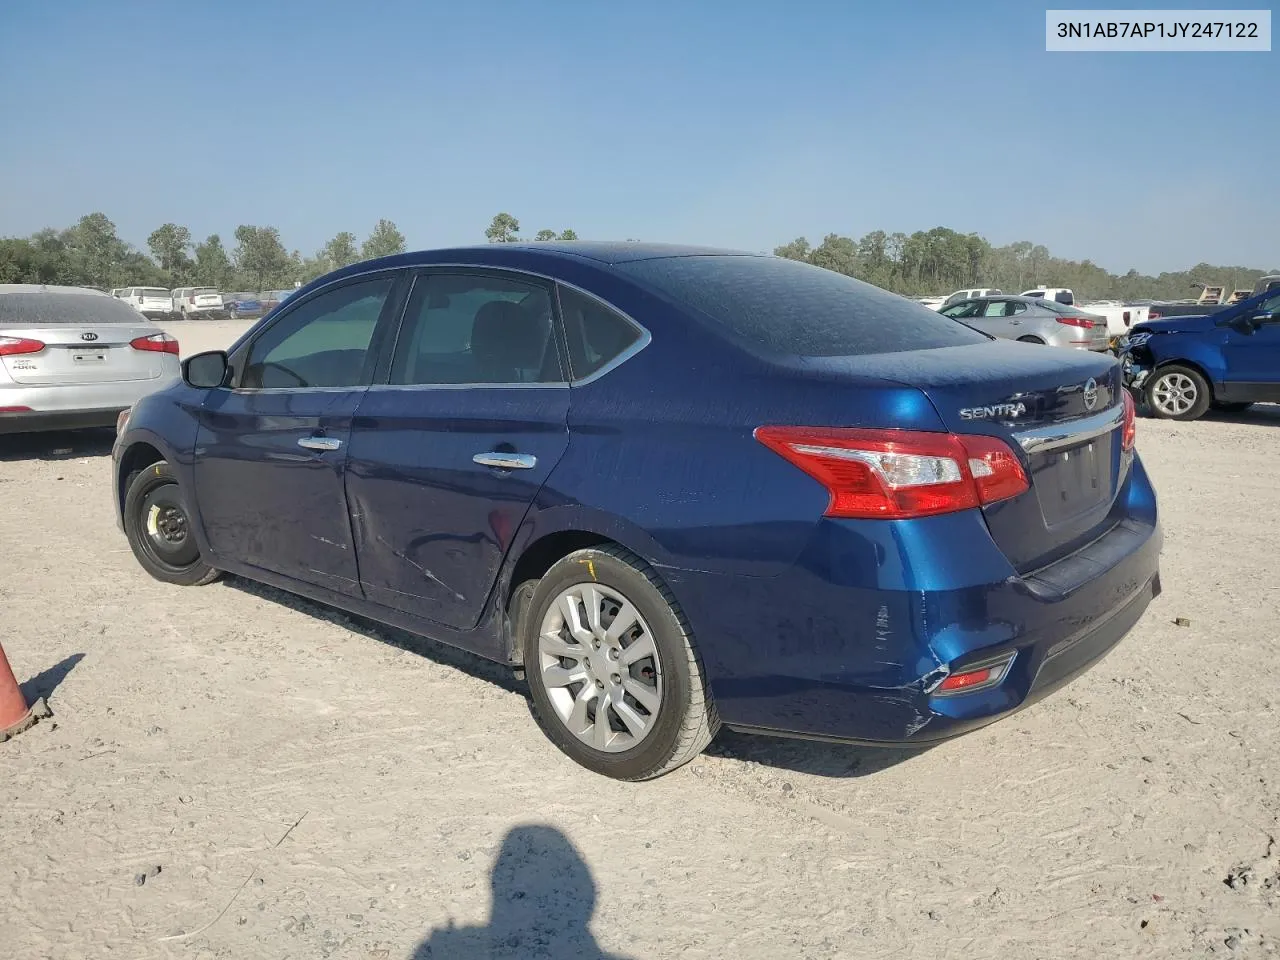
675	488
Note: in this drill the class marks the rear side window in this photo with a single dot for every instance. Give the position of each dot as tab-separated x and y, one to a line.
597	334
49	309
795	309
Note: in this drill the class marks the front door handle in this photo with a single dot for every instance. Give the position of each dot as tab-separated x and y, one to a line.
320	443
506	461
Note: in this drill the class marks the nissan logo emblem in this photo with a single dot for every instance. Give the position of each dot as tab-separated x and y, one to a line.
1090	393
89	337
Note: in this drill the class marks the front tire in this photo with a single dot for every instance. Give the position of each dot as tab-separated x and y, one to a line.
156	523
614	674
1178	393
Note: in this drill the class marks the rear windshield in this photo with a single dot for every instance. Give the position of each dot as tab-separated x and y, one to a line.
202	291
46	309
153	292
795	309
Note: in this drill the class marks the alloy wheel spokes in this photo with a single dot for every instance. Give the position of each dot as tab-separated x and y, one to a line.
600	667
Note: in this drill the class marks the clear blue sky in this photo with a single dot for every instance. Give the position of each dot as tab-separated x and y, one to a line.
732	123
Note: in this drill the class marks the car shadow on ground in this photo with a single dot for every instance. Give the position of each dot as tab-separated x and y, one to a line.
57	444
816	758
1260	414
43	684
543	900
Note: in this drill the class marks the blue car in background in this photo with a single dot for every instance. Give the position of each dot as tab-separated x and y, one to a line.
1226	361
239	306
675	488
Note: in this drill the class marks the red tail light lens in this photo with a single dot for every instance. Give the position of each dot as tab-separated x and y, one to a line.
1130	435
13	346
1084	323
156	343
897	474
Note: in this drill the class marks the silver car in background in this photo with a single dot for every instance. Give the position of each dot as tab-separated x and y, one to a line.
1032	321
71	357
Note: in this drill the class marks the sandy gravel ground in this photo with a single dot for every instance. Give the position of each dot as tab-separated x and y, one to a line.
310	786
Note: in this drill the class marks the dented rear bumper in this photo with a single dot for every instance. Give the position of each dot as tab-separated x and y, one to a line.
852	643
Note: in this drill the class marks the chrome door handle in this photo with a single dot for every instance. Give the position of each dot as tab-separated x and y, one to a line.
506	461
320	443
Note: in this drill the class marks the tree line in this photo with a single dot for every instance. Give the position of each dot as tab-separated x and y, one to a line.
938	261
92	254
927	262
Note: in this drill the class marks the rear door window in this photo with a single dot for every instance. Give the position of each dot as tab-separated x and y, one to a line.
476	329
789	308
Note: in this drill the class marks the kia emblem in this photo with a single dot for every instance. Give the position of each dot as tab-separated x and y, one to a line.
89	337
1090	393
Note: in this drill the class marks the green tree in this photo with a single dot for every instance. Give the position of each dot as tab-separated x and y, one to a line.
340	251
797	249
836	253
385	241
169	244
212	265
260	256
503	229
545	235
96	254
568	235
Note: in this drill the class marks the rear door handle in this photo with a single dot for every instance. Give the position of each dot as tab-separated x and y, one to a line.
320	443
506	461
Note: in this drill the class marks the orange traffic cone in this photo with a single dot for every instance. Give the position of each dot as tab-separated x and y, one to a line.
15	716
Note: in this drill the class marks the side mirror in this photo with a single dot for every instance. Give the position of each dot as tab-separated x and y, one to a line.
206	370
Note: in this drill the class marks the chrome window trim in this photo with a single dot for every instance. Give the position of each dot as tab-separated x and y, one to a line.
1070	432
645	336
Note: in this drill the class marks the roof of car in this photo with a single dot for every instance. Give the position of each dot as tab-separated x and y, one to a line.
50	288
606	252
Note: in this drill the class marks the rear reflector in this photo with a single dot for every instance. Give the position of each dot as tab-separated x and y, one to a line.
1083	323
13	346
1130	435
898	474
975	678
156	343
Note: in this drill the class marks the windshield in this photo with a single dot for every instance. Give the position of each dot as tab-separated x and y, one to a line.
795	309
46	309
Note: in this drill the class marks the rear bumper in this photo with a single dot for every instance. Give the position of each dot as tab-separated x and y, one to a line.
74	407
851	644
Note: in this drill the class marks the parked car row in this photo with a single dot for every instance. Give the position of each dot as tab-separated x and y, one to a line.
189	303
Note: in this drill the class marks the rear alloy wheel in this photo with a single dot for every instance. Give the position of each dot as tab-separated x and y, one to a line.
159	529
615	679
1178	393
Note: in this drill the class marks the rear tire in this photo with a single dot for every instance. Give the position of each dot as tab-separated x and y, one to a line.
1177	393
645	675
1031	340
156	523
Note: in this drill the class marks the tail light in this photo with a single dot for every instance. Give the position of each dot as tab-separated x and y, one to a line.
1153	315
898	474
13	346
1083	323
191	299
156	343
1130	435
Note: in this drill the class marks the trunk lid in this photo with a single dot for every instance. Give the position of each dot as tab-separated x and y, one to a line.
75	354
1060	410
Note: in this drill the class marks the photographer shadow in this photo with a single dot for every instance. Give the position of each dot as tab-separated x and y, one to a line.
543	900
